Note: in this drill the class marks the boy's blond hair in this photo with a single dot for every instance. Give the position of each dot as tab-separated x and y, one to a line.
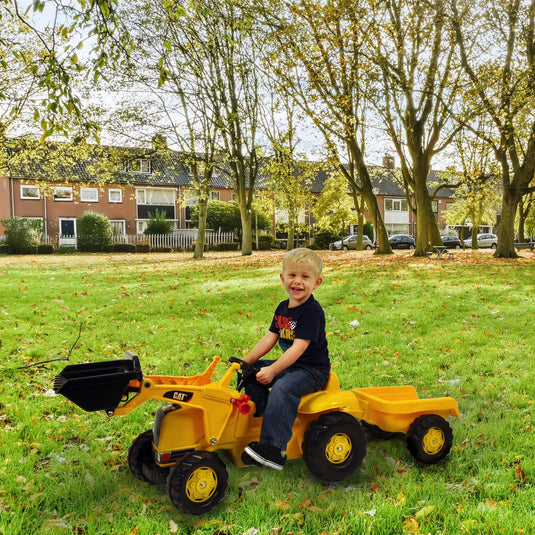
302	254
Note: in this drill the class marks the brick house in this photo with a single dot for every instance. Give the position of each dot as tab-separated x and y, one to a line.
141	181
145	181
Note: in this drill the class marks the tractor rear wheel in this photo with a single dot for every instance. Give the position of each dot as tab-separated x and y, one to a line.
429	438
141	461
197	483
334	446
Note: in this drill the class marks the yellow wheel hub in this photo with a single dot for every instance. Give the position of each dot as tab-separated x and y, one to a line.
433	441
339	448
201	484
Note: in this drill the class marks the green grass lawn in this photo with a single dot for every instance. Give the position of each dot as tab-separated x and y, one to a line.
462	328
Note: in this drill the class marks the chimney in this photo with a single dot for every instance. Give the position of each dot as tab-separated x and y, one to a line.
389	162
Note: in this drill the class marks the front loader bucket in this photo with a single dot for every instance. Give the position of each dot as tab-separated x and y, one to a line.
99	386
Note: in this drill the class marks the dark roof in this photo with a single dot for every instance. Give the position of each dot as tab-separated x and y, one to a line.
67	162
81	162
382	178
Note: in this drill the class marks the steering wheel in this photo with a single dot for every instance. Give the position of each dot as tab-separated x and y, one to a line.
247	373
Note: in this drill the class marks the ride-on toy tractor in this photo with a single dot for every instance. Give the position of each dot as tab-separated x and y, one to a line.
203	418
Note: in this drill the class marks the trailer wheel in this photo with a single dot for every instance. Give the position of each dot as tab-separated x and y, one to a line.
141	462
197	483
334	446
429	438
375	431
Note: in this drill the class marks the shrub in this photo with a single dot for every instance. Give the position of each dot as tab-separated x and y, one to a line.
21	234
323	237
5	248
220	215
158	224
142	248
265	242
45	248
226	216
94	232
227	246
367	230
123	248
66	250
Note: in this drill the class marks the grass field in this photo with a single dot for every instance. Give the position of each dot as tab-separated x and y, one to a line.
462	328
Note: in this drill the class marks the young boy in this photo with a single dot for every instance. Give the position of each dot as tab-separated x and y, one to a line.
299	326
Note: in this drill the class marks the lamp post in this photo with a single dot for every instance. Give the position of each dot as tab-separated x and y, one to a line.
375	192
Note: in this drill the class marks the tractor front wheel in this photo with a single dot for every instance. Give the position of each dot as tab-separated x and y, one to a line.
197	483
141	461
334	446
429	438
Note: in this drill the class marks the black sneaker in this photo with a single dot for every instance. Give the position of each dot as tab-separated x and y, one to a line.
266	454
248	460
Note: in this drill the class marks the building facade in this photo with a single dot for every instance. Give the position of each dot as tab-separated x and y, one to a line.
147	181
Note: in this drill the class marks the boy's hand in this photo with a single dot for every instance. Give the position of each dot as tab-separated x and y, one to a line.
265	375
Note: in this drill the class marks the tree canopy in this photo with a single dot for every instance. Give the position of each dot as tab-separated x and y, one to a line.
414	72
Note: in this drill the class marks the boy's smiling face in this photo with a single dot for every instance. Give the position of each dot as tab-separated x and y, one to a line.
299	280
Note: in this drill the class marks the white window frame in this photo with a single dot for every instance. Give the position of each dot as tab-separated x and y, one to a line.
26	188
143	193
141	196
115	192
115	223
215	195
396	205
88	194
63	193
140	165
141	225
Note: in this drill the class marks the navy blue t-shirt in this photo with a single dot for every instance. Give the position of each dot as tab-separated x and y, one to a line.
307	322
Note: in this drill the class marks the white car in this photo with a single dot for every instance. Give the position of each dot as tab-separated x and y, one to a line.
351	243
485	240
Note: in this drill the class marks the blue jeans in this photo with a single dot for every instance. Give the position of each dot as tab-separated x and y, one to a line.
280	404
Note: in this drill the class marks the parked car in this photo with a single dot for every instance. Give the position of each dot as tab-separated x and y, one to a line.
483	241
453	242
402	241
351	243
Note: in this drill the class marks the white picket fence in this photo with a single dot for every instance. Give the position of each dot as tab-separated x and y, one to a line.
177	240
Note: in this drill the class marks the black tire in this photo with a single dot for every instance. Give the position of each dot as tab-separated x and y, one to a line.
141	461
374	431
334	446
197	483
429	438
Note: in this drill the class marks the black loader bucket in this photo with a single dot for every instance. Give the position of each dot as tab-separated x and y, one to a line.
99	386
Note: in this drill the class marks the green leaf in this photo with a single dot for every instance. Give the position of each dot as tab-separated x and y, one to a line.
424	512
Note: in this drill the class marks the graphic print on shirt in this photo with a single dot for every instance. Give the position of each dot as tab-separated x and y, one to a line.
286	327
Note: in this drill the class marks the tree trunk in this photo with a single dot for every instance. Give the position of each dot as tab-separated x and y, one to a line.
247	231
427	233
201	235
291	236
506	232
381	235
521	221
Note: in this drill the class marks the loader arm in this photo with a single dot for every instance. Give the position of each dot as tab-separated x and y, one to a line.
119	386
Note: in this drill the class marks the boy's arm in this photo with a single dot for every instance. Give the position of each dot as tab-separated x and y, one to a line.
263	346
266	375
